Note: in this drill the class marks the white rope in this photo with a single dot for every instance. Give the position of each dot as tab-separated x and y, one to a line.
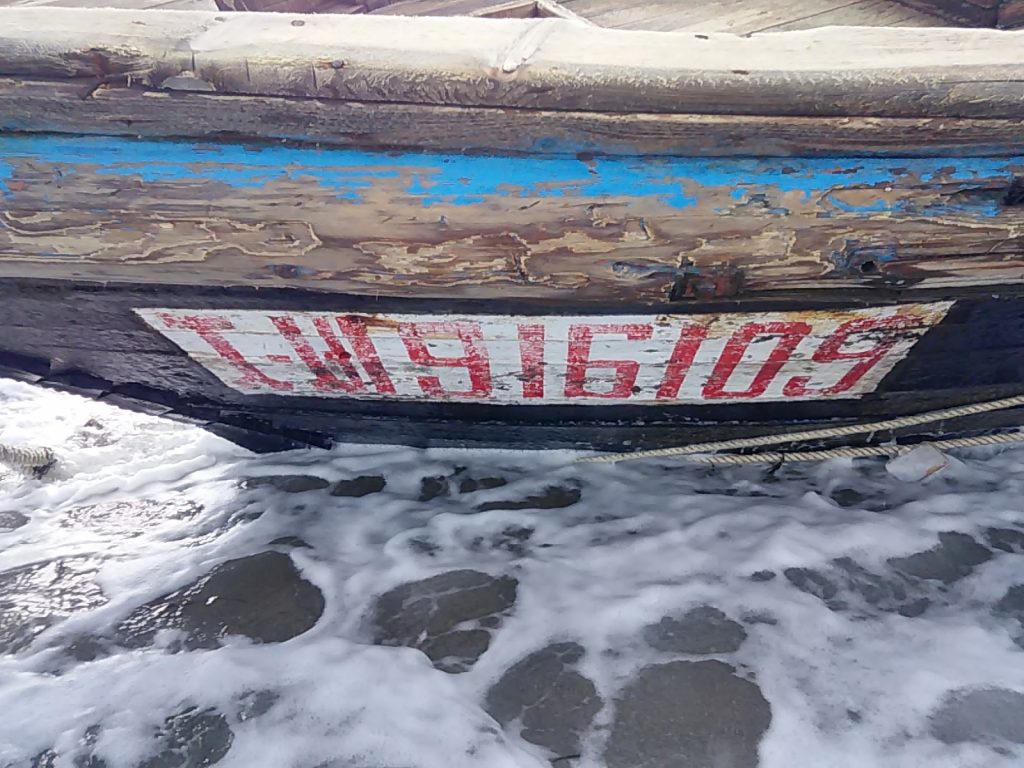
32	459
843	430
859	452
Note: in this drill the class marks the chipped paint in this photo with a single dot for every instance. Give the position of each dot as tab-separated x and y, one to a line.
432	178
546	359
545	228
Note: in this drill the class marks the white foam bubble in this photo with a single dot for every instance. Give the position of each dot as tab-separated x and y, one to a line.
851	687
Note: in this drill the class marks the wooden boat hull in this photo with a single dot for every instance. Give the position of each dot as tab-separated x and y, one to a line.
522	233
93	339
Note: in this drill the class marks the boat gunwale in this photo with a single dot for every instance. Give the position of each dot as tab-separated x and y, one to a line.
58	107
544	64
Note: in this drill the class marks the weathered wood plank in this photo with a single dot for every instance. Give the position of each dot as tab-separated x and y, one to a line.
750	16
447	8
972	13
513	9
1011	14
553	8
735	16
188	5
69	107
929	377
866	13
293	6
537	63
508	9
137	5
546	228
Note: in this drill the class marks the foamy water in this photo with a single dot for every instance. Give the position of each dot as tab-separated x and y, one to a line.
867	652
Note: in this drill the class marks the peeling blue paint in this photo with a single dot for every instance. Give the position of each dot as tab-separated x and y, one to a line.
471	179
988	208
878	206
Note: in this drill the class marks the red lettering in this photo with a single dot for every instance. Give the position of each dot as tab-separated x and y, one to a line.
690	338
531	354
788	336
475	360
886	335
581	338
326	380
209	330
353	327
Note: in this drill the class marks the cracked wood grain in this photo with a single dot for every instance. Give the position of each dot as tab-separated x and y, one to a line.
1011	14
974	13
909	72
34	106
585	229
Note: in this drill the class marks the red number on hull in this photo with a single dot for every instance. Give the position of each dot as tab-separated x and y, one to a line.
788	336
209	330
830	351
325	379
581	337
531	355
683	354
475	360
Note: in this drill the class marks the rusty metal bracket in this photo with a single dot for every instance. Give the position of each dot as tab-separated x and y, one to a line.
721	281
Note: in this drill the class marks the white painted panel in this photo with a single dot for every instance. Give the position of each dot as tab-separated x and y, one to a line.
551	359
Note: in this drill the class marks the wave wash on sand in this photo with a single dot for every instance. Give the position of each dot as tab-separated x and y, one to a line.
167	599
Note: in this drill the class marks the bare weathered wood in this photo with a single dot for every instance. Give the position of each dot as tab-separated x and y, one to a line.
512	9
749	16
433	226
1011	14
558	10
972	13
294	6
71	107
1003	14
537	63
734	16
137	5
862	13
866	13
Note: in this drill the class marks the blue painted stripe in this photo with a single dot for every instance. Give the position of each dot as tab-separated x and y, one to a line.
472	179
